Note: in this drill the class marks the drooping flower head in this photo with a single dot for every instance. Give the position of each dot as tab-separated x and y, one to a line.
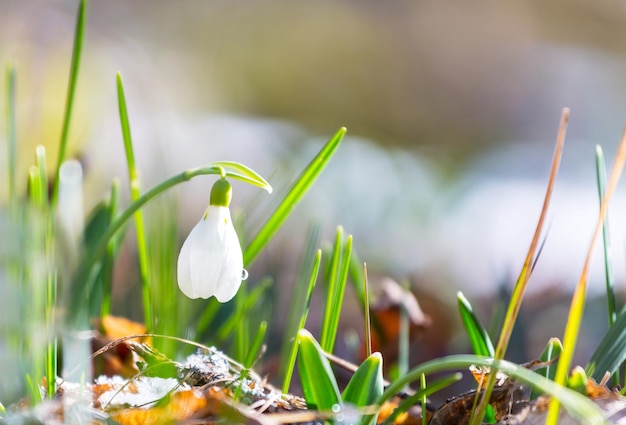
210	262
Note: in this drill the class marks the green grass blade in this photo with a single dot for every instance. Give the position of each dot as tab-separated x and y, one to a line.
291	360
255	348
336	289
109	260
577	405
11	133
606	241
477	334
611	352
298	297
71	90
295	194
135	193
318	381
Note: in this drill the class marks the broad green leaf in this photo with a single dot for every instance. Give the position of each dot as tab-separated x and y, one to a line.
611	352
478	336
366	385
295	194
577	380
318	381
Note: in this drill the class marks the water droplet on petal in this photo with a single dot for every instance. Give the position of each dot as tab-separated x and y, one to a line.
244	274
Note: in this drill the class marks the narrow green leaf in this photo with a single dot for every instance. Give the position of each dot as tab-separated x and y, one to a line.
135	193
291	361
318	381
295	194
255	348
71	90
606	241
335	298
611	351
478	336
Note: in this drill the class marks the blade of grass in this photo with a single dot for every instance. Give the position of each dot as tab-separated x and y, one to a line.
611	352
366	308
606	241
336	290
111	252
522	281
577	305
295	194
478	336
71	90
291	360
11	132
298	297
577	405
255	348
318	381
135	193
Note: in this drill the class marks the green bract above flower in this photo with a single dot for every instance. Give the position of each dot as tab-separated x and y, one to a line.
210	262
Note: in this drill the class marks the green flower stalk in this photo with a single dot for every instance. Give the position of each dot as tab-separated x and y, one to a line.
211	261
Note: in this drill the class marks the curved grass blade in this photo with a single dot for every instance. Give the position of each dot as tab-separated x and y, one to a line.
421	396
478	336
611	352
318	381
577	305
255	348
522	281
297	191
576	404
71	90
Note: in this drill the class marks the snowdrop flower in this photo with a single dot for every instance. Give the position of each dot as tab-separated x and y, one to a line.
210	262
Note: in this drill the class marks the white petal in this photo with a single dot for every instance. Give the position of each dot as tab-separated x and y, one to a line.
210	261
230	275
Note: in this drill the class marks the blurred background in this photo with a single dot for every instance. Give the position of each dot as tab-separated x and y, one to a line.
452	110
